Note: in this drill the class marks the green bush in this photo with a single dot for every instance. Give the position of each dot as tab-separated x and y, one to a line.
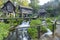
50	24
4	30
32	32
35	22
48	20
15	22
43	29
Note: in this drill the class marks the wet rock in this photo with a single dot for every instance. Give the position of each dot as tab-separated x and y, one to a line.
46	37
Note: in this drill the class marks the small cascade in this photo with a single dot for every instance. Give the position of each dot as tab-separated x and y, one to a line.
49	32
20	33
24	26
46	35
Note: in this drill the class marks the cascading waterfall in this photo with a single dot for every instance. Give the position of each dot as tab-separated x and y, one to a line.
24	32
21	31
24	24
48	33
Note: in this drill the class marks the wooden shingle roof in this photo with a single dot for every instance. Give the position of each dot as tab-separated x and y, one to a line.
24	7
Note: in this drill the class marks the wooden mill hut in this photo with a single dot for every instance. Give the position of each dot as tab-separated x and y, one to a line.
8	8
42	13
25	11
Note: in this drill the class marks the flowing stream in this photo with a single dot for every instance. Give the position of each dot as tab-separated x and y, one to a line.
24	35
48	33
20	33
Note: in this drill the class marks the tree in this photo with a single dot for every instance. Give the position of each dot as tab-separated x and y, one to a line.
1	2
25	3
34	5
22	2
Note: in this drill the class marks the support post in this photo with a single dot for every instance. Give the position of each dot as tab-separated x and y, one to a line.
17	36
53	30
54	25
38	28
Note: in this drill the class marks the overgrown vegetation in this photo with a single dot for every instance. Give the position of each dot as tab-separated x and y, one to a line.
38	22
5	26
50	24
4	30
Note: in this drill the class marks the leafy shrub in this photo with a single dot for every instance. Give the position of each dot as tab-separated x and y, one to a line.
50	24
32	32
15	22
35	22
43	29
48	20
4	30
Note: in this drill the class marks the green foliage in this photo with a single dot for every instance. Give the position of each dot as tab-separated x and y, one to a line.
21	2
25	3
34	5
43	29
4	30
48	20
32	32
15	22
50	24
35	22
